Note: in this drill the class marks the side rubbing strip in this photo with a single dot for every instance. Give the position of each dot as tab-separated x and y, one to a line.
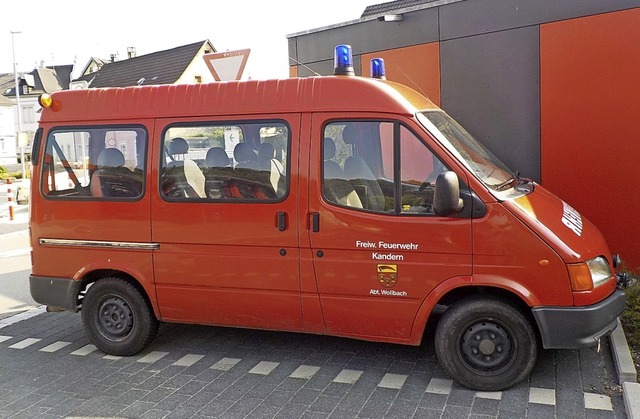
98	243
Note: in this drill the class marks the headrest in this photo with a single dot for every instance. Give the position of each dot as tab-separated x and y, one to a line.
329	148
178	146
266	151
217	157
349	134
110	157
244	153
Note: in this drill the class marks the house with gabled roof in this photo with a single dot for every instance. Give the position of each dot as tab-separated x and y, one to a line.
180	65
31	85
93	66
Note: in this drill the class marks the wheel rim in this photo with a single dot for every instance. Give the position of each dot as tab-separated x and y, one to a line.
114	318
487	347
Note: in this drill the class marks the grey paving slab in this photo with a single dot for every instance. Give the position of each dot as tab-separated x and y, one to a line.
49	369
304	372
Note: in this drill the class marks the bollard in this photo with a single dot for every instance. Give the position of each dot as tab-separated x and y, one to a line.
10	198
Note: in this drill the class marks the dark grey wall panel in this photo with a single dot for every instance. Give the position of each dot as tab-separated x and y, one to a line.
491	85
417	28
473	17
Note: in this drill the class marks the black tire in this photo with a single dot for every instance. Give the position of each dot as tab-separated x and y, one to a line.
117	317
485	344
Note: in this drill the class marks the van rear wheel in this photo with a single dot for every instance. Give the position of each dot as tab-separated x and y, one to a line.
117	318
485	344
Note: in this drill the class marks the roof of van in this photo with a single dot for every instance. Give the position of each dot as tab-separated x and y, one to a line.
313	94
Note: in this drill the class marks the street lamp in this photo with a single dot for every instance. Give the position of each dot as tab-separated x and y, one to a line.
15	73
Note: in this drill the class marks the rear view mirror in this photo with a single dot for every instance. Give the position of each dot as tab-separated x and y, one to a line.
446	199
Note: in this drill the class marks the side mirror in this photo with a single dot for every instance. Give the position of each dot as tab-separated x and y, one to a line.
446	197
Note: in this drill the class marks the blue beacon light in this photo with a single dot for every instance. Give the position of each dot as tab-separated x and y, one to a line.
377	69
343	61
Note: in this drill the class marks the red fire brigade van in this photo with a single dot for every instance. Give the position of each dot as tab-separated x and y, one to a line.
336	205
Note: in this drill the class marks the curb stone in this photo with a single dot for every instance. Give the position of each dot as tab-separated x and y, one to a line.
626	370
631	396
622	356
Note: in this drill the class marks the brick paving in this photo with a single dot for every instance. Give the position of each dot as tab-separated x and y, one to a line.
48	369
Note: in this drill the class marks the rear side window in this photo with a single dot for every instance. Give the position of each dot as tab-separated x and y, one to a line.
104	163
225	162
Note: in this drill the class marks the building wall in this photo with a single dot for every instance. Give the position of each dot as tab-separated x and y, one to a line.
29	108
490	85
7	136
524	77
590	122
419	67
197	68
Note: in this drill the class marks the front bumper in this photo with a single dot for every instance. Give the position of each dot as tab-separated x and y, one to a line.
577	327
60	293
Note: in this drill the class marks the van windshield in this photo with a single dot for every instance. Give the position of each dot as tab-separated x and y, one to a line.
480	161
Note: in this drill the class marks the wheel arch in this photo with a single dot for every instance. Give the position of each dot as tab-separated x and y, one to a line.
98	274
445	296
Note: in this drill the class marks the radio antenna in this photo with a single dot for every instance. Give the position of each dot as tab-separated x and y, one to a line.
305	66
411	80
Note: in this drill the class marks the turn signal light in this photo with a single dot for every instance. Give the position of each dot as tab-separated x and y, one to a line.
580	277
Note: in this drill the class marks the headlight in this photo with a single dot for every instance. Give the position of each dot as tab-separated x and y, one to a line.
599	269
590	274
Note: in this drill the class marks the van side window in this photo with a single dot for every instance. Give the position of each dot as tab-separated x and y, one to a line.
378	166
225	162
95	163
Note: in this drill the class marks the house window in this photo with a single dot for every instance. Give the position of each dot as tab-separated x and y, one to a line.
28	115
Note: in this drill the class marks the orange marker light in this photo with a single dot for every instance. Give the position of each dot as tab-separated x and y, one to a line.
45	100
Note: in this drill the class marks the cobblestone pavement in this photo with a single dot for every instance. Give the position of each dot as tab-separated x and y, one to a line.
48	369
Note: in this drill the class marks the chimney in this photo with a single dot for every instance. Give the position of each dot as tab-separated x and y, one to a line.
113	57
131	52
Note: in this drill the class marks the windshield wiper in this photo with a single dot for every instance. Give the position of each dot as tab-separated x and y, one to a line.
515	180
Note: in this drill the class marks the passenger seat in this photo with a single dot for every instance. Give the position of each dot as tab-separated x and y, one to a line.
335	187
185	175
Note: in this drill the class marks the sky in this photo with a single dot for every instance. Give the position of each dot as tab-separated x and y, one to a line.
68	31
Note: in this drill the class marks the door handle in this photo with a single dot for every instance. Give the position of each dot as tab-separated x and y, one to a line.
315	222
282	220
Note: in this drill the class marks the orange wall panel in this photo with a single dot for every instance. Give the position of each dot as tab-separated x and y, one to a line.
590	122
417	67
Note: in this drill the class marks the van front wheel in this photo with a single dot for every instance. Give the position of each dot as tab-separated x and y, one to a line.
485	344
117	317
